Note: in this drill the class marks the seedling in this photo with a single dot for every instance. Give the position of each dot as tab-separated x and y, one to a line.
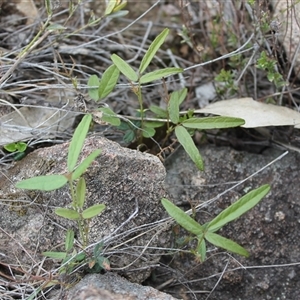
207	231
77	185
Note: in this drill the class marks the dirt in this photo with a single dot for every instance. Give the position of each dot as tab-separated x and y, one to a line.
270	231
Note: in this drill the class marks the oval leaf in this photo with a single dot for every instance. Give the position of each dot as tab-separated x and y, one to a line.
85	164
158	111
93	211
187	142
80	257
226	244
78	141
213	122
110	7
238	208
153	48
173	106
55	27
124	67
108	81
159	74
93	87
12	147
21	147
119	14
109	116
153	124
181	217
67	213
148	132
129	136
43	183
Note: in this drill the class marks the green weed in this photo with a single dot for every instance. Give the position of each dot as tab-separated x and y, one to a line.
206	232
77	211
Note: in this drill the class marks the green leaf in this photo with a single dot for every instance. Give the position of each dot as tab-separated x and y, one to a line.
226	244
119	14
213	122
93	87
19	155
238	208
103	263
55	255
78	141
153	124
43	183
21	147
173	106
93	211
80	257
85	164
12	147
98	249
158	111
121	4
129	136
67	213
55	27
201	249
181	217
80	192
110	7
108	81
187	142
69	242
159	74
125	126
153	48
148	132
124	67
109	116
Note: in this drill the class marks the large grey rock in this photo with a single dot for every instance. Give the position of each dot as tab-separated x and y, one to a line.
131	185
111	287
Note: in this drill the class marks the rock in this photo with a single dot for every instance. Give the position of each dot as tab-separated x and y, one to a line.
131	185
287	13
111	287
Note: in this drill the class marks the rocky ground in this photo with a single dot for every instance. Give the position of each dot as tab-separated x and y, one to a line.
51	78
270	231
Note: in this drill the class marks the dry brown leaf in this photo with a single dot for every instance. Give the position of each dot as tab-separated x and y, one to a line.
29	10
255	114
33	123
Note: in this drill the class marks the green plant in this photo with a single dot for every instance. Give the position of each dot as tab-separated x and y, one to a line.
269	65
182	124
17	148
227	78
206	232
77	186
